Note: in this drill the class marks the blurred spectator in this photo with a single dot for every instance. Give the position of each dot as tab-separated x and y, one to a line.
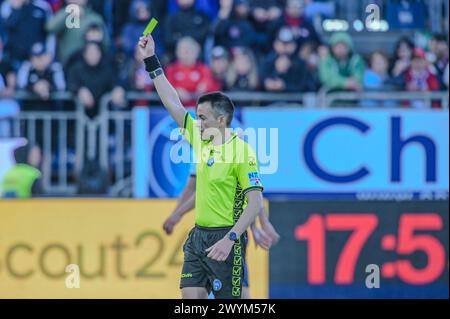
233	28
220	63
281	70
92	77
9	108
418	76
294	18
243	73
402	56
40	75
186	22
309	55
7	75
342	68
439	50
24	22
140	15
376	76
209	7
265	17
71	40
284	44
94	33
114	13
284	76
189	76
23	179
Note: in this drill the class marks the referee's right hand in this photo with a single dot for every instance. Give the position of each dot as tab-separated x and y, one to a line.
146	46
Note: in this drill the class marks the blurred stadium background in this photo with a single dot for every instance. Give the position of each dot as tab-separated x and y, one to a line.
357	173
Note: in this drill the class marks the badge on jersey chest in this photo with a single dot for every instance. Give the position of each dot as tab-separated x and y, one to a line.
210	162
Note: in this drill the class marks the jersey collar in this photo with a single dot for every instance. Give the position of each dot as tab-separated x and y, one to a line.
233	136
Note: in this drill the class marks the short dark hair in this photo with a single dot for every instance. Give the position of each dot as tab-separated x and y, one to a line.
21	154
399	42
220	103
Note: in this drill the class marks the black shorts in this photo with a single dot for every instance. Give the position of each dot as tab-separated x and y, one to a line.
223	278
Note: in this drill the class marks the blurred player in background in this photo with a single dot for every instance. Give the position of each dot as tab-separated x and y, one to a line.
23	179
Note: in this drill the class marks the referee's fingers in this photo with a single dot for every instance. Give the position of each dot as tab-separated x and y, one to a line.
142	41
264	236
213	254
208	249
217	255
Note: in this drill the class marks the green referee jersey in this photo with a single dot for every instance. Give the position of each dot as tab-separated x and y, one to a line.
225	173
19	180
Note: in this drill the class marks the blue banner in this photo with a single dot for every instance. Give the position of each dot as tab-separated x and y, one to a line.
347	151
316	152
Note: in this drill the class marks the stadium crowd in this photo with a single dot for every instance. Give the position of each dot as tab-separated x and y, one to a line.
230	45
205	45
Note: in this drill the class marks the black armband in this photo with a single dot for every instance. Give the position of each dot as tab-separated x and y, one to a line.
152	63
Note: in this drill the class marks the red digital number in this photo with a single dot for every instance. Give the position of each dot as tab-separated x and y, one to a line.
313	231
408	243
362	226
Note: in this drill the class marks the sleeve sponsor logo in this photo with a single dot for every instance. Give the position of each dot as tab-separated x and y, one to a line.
254	179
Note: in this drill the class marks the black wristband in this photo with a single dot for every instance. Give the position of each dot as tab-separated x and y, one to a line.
152	63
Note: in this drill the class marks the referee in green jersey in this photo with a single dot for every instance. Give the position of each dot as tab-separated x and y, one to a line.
228	189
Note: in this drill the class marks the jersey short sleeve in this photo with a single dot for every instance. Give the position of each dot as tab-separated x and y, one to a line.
247	170
191	132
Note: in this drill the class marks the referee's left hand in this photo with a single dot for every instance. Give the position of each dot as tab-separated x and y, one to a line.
220	250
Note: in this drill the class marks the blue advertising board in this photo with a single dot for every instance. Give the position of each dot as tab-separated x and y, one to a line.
337	151
347	151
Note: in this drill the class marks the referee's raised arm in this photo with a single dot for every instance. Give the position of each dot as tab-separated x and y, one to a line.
166	91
